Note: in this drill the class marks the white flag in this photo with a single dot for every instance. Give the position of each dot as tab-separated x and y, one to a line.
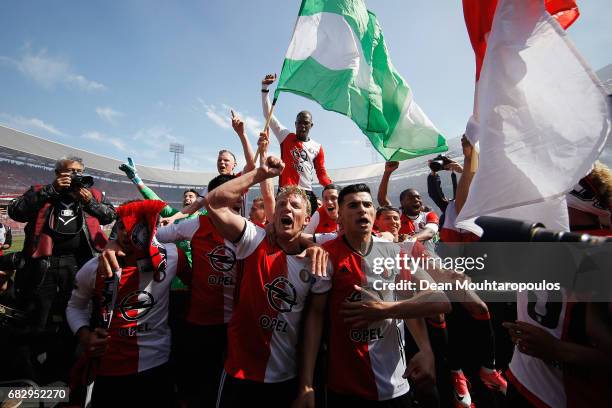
543	119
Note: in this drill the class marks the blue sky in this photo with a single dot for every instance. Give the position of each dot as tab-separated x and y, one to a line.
129	77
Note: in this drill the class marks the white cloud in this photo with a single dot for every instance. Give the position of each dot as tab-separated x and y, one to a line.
83	83
213	114
222	117
50	71
108	114
156	137
30	125
101	137
253	125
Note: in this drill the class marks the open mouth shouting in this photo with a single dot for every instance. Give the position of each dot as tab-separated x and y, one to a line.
363	222
286	221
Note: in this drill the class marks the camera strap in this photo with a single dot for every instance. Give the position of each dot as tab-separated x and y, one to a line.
67	214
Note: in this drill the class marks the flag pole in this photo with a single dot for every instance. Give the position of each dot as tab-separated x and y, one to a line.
475	160
265	129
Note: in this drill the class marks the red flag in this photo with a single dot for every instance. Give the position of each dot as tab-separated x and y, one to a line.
479	14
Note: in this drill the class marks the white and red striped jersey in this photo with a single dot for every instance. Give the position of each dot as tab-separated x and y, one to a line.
367	363
302	159
321	223
539	381
450	233
263	331
411	225
139	335
214	270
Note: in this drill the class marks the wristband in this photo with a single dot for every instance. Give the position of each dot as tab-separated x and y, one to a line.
136	180
265	90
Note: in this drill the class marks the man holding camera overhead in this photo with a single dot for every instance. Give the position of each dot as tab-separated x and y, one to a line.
63	232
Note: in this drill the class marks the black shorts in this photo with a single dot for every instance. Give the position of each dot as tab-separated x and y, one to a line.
342	400
236	393
200	359
149	388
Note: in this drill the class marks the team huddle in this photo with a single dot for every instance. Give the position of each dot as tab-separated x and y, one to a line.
285	307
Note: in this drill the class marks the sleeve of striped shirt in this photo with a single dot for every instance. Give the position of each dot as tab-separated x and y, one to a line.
312	225
319	164
78	311
250	240
183	230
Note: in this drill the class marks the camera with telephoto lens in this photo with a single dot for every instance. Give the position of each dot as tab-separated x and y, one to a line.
78	181
437	163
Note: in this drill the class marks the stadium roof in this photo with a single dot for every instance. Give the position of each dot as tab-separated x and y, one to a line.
49	152
46	149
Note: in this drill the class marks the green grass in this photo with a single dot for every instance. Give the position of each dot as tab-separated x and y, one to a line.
19	238
17	243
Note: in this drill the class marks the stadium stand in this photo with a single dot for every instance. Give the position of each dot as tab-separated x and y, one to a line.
27	160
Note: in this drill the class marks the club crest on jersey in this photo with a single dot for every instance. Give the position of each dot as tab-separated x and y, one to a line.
136	305
222	258
282	295
299	156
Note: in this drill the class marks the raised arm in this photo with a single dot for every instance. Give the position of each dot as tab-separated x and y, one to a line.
25	207
129	168
178	232
220	201
390	167
278	129
463	187
319	165
266	186
249	155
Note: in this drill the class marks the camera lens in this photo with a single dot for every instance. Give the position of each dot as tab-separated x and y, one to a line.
436	165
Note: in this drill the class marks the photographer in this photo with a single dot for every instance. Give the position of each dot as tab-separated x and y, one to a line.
434	185
63	232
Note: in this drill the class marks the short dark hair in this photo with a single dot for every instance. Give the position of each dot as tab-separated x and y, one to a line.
331	186
192	190
353	188
220	179
384	208
303	113
406	191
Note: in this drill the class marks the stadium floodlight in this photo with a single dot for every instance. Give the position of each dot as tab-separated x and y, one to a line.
177	149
